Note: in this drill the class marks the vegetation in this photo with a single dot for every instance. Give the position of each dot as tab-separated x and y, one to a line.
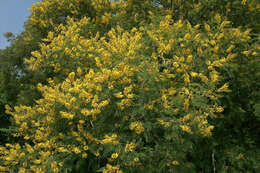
132	86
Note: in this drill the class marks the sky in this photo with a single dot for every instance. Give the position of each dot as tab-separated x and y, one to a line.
13	14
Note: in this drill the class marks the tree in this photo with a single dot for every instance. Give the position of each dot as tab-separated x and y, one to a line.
125	85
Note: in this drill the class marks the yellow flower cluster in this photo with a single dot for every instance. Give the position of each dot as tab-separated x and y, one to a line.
112	169
110	139
130	147
163	77
165	124
137	127
42	10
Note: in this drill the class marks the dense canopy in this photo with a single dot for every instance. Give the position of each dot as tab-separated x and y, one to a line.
132	86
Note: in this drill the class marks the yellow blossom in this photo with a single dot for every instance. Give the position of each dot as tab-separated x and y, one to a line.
84	155
130	147
207	27
85	147
219	109
175	162
224	88
96	153
186	104
29	148
243	2
186	128
37	162
136	159
114	155
119	95
76	150
240	156
230	48
66	115
137	126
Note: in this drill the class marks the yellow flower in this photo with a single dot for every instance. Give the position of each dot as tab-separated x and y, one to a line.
240	156
187	36
175	162
217	18
81	121
60	163
243	2
175	64
214	76
254	53
186	78
110	139
105	18
112	169
193	74
66	115
247	52
203	78
74	49
119	95
114	155
171	91
186	104
207	27
84	155
197	37
76	150
137	126
186	117
54	167
206	131
130	147
224	88
22	154
62	150
125	118
219	109
96	154
189	58
130	96
116	74
37	161
79	71
185	128
85	147
24	126
230	48
136	159
21	170
29	148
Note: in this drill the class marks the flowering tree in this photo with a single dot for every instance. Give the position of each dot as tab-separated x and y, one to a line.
124	97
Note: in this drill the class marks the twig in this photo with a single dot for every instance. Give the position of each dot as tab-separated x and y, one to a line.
91	124
213	162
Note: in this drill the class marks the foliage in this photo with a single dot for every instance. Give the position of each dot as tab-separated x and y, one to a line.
243	13
124	85
46	16
240	121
